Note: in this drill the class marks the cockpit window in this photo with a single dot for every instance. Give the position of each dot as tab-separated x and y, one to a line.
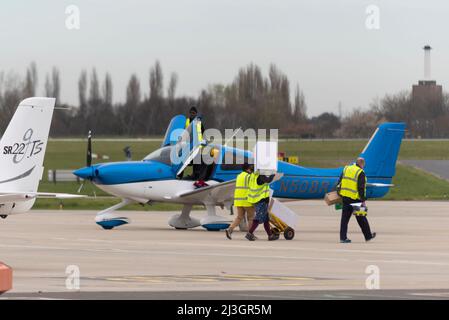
160	155
233	161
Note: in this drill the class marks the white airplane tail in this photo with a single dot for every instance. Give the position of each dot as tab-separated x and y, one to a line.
22	146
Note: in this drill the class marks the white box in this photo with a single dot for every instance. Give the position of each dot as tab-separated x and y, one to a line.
284	213
266	157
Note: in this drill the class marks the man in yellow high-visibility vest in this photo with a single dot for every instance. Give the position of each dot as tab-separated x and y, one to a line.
241	199
197	165
352	188
193	113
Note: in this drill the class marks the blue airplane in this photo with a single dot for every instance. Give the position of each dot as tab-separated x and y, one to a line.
157	178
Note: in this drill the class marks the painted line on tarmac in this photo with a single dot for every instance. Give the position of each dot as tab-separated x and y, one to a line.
277	248
30	298
175	253
425	263
246	256
225	278
270	296
431	294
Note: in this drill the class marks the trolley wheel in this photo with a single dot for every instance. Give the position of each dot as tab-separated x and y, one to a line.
275	231
289	233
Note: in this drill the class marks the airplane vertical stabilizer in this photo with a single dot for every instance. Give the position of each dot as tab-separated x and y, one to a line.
23	145
382	150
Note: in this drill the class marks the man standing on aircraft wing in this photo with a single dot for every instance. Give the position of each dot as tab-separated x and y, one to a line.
241	199
352	188
259	195
197	168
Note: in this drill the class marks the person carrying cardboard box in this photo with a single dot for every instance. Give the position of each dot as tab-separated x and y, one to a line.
352	188
265	154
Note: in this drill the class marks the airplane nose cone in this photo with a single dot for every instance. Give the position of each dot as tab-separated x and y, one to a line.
84	173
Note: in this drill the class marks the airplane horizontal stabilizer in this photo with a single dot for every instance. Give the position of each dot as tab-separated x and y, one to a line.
24	196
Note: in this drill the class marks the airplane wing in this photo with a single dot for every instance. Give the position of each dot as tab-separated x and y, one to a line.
23	196
216	194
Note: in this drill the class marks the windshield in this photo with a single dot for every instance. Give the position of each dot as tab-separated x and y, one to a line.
160	155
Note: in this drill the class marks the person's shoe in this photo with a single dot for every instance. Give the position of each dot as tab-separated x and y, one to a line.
200	184
346	241
250	237
373	235
273	237
228	234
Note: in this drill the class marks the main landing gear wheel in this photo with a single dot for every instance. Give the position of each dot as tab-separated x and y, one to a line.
289	233
3	216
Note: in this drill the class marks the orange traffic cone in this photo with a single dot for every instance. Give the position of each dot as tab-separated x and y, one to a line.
5	278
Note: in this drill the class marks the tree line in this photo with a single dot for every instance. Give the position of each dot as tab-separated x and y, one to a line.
251	100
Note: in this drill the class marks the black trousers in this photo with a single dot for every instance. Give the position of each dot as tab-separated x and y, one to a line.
346	216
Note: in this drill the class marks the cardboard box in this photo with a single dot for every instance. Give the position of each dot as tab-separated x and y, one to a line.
5	278
332	198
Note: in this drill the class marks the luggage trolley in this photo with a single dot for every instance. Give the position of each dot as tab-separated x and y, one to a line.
279	226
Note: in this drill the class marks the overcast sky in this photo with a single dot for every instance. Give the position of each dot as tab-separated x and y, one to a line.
324	46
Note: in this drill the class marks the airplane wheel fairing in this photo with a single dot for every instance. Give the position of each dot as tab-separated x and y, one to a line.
112	223
289	233
215	223
216	227
179	222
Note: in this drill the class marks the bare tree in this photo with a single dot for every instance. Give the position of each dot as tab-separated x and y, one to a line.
56	83
156	81
300	107
107	89
94	90
82	90
30	81
172	86
128	112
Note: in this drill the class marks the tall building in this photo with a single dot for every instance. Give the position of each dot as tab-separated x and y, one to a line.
427	90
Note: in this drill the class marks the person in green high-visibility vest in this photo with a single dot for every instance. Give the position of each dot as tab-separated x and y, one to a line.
352	188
